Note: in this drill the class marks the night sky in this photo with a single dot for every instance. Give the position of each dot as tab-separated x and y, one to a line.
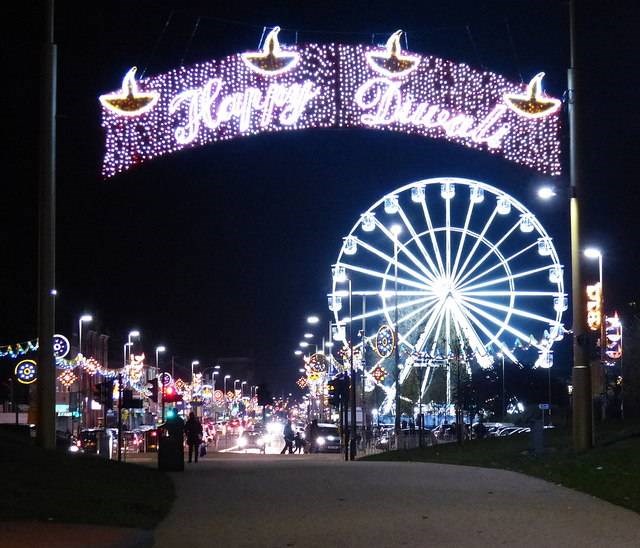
224	250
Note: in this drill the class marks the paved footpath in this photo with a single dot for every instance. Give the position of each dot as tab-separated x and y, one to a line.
232	500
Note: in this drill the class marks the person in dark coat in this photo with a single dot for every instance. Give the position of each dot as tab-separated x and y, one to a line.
289	436
193	432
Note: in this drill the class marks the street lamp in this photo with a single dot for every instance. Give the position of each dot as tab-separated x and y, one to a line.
158	350
83	318
224	397
193	363
242	388
124	353
303	344
234	385
313	320
308	335
396	230
546	192
298	352
132	334
594	253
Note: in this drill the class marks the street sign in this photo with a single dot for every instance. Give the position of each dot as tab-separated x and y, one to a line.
544	406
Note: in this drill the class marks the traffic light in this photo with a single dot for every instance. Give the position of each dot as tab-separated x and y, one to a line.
337	388
154	390
170	394
594	306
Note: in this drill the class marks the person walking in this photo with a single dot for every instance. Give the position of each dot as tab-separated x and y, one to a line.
298	443
289	436
313	436
193	431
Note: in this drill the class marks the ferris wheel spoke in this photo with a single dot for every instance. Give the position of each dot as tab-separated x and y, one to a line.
468	330
387	277
418	241
510	293
507	260
415	326
434	241
417	311
501	324
493	248
490	336
508	278
462	239
402	248
381	311
479	239
510	309
390	260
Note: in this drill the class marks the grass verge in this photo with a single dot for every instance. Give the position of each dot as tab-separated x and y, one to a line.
610	471
59	486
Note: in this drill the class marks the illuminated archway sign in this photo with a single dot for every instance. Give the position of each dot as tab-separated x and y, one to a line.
329	86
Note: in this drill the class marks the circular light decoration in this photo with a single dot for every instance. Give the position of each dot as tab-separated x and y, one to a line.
218	396
379	373
318	363
67	378
384	343
165	379
60	346
26	371
231	395
180	385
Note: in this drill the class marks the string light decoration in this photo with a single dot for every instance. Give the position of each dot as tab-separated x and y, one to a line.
18	349
379	373
532	104
26	371
180	385
91	366
67	378
329	86
318	363
272	60
384	343
129	101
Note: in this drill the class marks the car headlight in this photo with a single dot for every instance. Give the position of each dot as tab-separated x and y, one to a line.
320	440
74	448
331	438
242	442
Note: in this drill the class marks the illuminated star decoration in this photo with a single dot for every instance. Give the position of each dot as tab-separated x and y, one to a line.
272	60
67	378
301	382
130	101
26	371
392	63
532	104
379	373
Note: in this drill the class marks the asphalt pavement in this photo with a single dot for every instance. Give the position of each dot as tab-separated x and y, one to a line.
237	500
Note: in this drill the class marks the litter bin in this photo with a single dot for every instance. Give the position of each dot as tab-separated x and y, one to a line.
171	446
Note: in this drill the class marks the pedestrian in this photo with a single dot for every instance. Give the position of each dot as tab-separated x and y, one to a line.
298	443
313	436
193	431
289	436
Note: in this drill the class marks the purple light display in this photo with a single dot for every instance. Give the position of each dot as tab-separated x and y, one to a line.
330	85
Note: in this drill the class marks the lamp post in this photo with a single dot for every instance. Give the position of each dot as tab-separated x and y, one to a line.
593	253
582	408
124	353
226	402
132	334
504	406
352	442
193	363
158	350
83	318
396	230
242	388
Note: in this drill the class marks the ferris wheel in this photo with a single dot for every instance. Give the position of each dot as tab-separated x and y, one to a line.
449	261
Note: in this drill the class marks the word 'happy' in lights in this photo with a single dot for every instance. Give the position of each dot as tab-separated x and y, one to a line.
329	86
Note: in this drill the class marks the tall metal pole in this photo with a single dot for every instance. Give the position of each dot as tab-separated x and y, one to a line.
582	407
352	442
504	403
395	335
46	389
364	363
603	343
